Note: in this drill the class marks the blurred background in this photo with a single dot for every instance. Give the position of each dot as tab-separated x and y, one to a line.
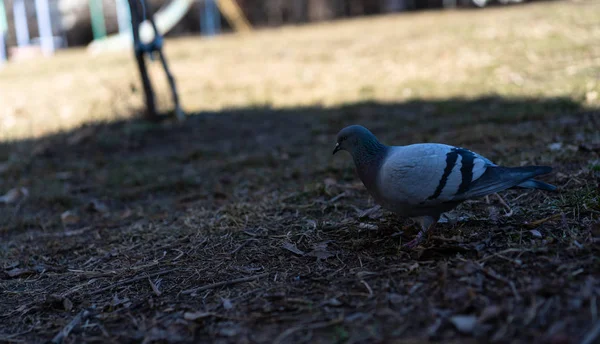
65	62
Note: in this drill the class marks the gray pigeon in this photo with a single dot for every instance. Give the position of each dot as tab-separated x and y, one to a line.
424	180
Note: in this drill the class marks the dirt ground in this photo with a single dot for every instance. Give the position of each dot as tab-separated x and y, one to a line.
239	226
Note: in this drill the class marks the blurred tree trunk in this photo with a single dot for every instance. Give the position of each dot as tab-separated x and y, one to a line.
319	10
356	7
274	12
298	9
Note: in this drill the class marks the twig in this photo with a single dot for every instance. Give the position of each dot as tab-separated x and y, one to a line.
242	245
154	287
510	211
540	221
592	335
219	284
315	326
508	250
131	280
62	335
368	287
495	276
334	199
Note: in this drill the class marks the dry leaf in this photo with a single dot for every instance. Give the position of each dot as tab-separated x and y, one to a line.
368	226
535	233
14	195
464	323
292	248
320	251
227	304
488	313
67	304
555	146
196	315
69	217
19	272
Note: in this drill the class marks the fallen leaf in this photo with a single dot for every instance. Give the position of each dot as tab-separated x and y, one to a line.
368	226
196	315
320	251
67	304
292	248
535	233
555	146
488	313
69	217
227	303
19	272
464	323
334	302
14	195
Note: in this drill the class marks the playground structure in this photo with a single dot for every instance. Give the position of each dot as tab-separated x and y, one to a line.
169	15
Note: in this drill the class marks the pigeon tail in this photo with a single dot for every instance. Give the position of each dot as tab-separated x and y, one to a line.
536	184
498	178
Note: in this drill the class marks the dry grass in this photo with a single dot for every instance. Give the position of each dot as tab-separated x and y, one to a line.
238	226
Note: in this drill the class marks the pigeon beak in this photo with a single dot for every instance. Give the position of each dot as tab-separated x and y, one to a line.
337	148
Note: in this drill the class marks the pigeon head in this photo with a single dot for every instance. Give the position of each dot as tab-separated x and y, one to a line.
355	139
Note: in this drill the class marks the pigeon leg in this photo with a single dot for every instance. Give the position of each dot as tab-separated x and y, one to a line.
427	223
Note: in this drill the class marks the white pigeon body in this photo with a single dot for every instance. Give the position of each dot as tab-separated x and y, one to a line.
425	180
418	179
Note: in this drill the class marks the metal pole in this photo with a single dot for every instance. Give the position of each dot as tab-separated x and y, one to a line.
3	30
45	26
123	16
21	26
97	17
210	22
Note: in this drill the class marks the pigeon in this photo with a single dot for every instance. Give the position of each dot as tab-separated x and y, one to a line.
424	180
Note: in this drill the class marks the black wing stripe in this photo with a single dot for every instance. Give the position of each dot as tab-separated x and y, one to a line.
451	158
466	170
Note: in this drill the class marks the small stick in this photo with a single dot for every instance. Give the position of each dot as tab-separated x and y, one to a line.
62	335
368	287
219	284
510	211
154	287
592	335
495	276
540	221
334	199
315	326
131	280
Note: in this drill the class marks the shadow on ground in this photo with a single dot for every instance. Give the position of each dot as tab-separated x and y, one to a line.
240	226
